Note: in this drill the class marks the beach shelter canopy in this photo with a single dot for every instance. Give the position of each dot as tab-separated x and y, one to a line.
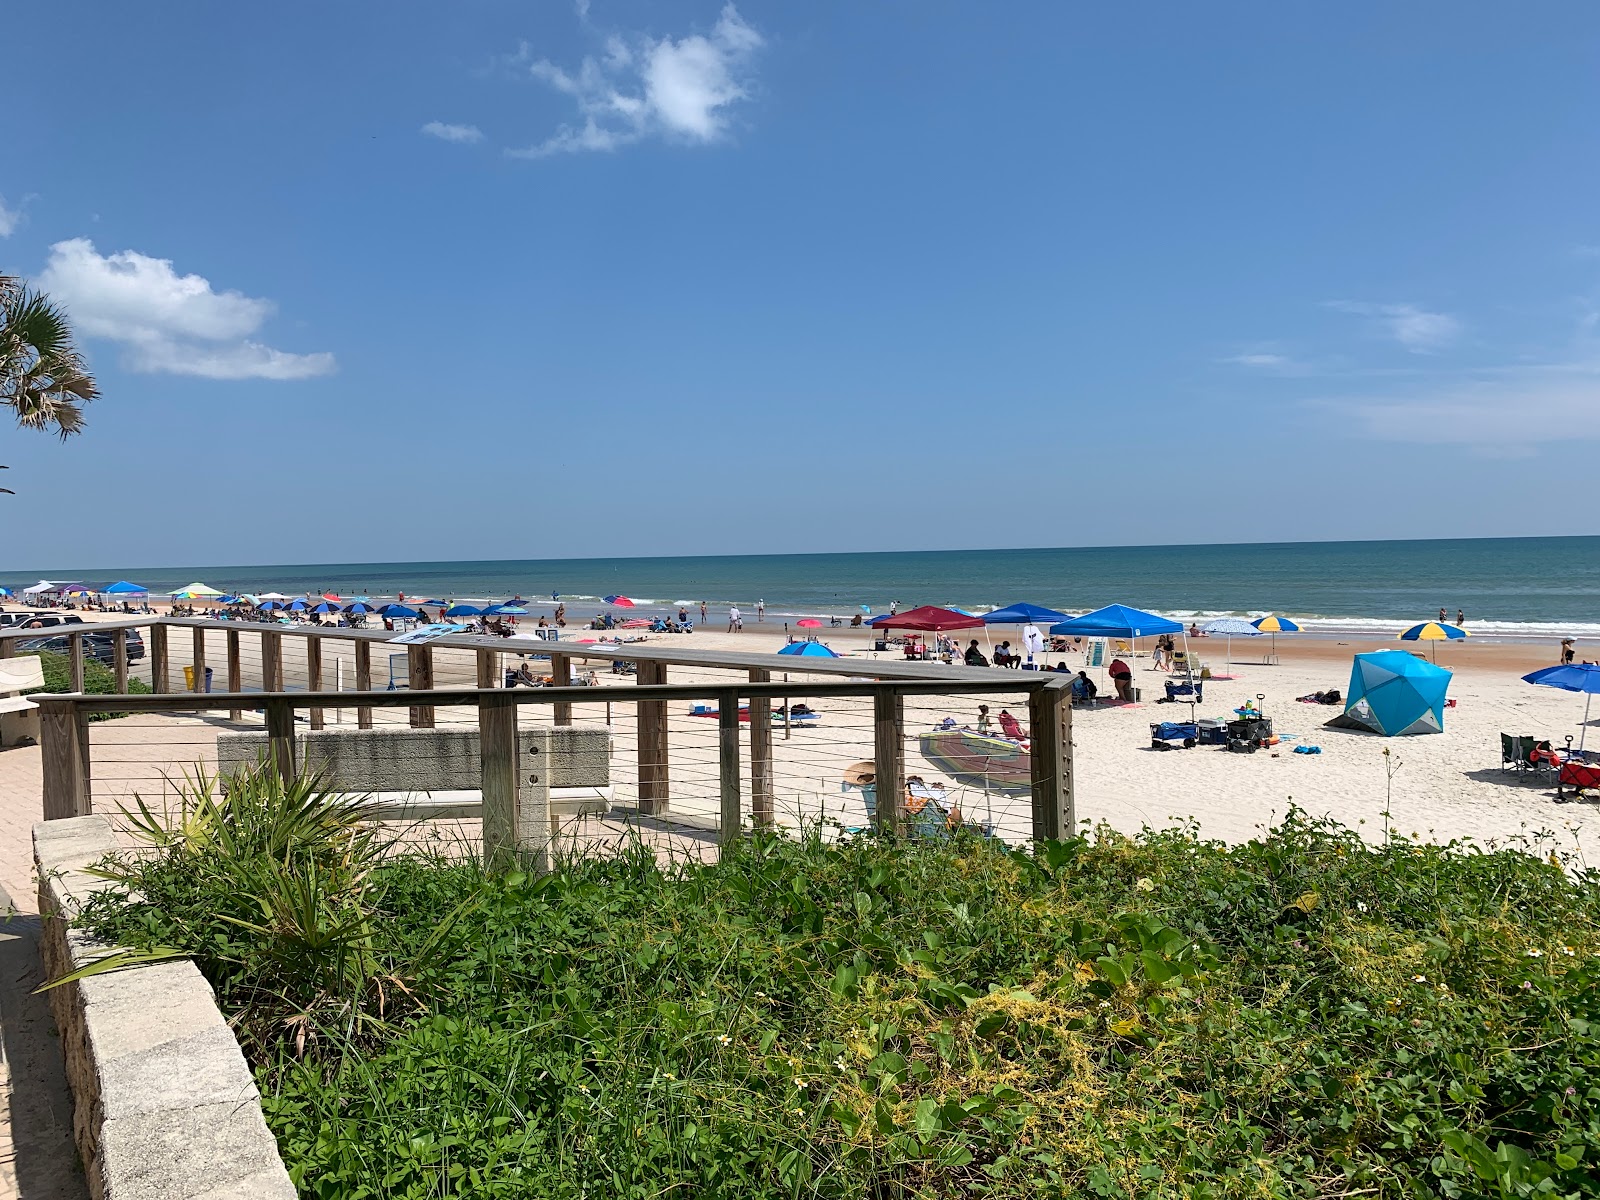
44	585
197	591
929	618
1394	693
619	601
1275	625
326	606
464	610
1023	614
272	596
123	588
399	610
1571	677
1116	620
808	650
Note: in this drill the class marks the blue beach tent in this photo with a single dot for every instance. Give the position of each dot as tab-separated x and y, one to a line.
1116	620
1023	614
123	588
1394	693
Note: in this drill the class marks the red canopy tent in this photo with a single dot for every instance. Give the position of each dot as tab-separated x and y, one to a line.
930	618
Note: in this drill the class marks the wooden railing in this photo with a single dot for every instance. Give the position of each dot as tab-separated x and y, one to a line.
66	760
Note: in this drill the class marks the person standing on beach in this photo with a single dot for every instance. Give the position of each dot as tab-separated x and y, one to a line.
1461	616
735	621
761	611
1568	650
1443	615
561	616
702	612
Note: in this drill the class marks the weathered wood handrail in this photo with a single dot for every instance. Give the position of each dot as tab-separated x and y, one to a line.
65	717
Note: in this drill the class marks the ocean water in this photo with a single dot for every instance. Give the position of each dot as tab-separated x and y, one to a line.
1514	587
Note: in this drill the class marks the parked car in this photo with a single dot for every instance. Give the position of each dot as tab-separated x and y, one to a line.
37	620
98	646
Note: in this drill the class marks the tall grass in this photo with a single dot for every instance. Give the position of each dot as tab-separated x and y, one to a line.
1149	1016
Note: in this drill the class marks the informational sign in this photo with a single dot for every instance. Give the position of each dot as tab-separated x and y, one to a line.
427	633
1096	652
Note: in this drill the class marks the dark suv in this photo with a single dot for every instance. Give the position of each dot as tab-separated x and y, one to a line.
98	646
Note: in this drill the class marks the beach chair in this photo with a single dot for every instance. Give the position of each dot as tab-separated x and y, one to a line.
1122	646
399	672
1514	753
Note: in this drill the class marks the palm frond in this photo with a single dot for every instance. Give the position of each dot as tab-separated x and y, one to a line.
44	378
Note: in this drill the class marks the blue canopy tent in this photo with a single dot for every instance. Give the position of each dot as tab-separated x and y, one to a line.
1394	693
1116	620
808	650
1571	677
123	588
1023	614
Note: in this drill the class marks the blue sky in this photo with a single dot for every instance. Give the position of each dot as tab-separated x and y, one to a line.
406	281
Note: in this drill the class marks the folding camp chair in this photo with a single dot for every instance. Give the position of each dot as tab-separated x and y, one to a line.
399	672
1514	753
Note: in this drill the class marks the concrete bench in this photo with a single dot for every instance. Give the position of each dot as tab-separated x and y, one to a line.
19	716
405	774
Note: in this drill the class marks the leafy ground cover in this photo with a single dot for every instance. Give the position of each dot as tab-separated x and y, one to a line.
98	680
1304	1015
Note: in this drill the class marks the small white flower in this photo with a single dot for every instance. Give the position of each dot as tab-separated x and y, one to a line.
1105	1004
1569	951
1535	953
725	1039
839	1062
1360	907
1526	984
583	1088
1443	988
1419	979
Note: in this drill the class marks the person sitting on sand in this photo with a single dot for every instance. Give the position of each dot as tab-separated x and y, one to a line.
974	657
1061	668
1083	687
1010	727
855	621
983	718
1122	676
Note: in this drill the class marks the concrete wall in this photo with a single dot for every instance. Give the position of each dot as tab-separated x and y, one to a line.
164	1105
423	760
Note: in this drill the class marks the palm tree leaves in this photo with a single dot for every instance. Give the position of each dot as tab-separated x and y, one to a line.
44	378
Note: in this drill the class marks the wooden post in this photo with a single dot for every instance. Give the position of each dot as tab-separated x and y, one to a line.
8	647
561	676
272	662
314	676
158	658
235	673
198	659
66	792
419	668
488	668
497	747
652	721
1050	756
888	759
119	659
280	737
75	656
761	791
731	824
363	681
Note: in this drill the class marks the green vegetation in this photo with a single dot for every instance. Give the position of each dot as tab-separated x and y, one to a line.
1158	1016
98	679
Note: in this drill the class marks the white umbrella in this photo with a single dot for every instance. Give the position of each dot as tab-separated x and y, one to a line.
1228	627
1032	640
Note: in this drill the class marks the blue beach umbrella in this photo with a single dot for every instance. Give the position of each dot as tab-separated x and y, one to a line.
299	604
271	605
399	610
464	610
505	610
1571	677
327	606
5	591
358	607
807	650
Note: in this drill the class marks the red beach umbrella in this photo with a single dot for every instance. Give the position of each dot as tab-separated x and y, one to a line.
619	601
930	619
808	623
329	596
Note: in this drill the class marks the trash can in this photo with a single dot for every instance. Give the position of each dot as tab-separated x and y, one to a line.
188	679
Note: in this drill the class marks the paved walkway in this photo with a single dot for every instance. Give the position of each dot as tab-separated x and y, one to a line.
21	807
37	1158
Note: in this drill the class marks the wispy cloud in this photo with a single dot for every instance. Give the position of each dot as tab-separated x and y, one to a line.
453	133
168	322
10	218
1511	414
639	87
1417	329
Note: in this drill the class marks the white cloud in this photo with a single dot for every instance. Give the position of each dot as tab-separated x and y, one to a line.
1258	360
453	133
680	89
10	218
1417	329
168	322
1511	415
